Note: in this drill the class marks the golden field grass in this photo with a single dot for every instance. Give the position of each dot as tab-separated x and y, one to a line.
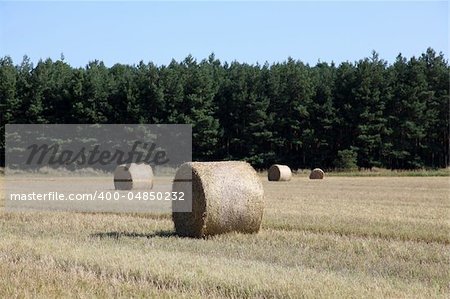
340	237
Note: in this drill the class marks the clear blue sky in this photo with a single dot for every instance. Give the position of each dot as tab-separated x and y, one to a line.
244	31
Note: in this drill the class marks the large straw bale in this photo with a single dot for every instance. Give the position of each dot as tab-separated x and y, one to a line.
279	172
226	197
133	176
316	174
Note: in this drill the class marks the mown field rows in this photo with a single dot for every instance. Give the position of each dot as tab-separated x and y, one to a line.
347	237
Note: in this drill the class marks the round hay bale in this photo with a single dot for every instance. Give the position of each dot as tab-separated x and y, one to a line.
133	176
225	196
316	174
279	173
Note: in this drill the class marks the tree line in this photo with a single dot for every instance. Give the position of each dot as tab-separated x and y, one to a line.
380	114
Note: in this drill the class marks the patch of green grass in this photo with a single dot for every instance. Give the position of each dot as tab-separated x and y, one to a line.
444	172
375	172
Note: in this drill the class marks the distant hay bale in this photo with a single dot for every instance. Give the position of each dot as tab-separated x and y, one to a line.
316	174
133	176
279	173
226	197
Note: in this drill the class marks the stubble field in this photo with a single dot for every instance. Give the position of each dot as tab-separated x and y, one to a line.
339	237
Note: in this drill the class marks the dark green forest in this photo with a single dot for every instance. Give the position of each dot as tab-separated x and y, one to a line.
379	114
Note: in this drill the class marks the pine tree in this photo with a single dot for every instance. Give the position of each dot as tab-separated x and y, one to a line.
292	134
370	97
9	102
435	151
323	115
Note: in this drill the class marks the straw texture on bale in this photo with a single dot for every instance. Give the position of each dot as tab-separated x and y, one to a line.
316	174
133	176
226	197
279	173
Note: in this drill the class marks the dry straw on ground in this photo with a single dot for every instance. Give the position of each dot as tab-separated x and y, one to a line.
133	176
316	174
279	173
226	197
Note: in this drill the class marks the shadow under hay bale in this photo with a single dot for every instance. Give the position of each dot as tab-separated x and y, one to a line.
226	197
133	176
316	174
279	172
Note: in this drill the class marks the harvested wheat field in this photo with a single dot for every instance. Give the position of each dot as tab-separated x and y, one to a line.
339	237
